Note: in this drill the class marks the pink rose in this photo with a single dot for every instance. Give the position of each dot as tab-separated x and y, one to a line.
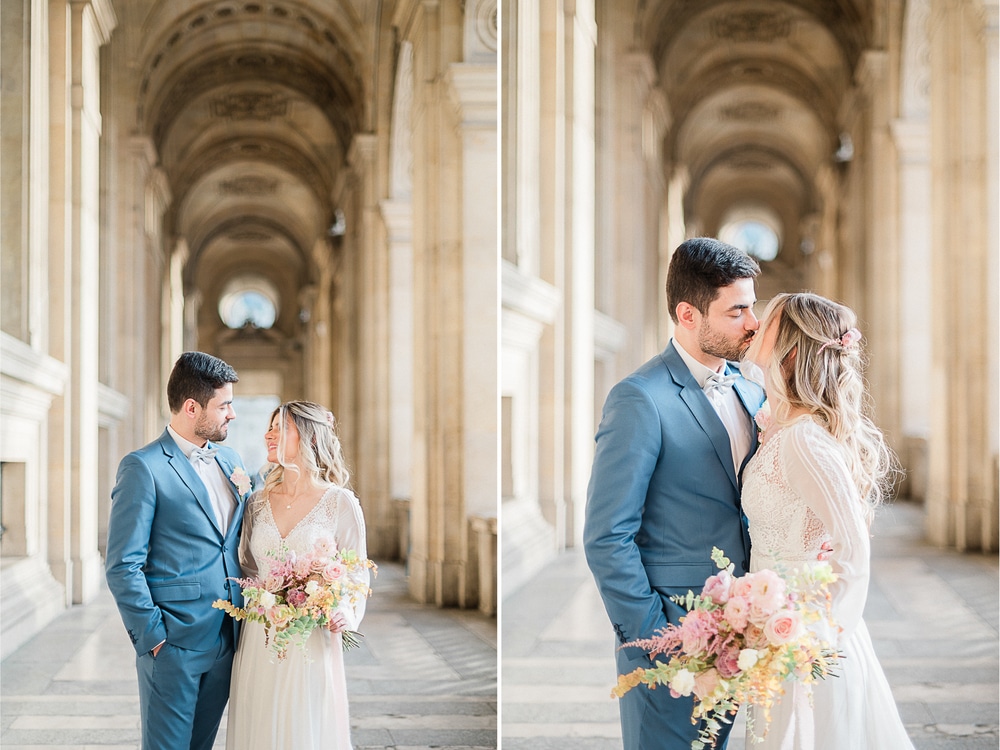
333	572
783	627
296	597
741	586
737	612
727	662
767	595
705	683
717	587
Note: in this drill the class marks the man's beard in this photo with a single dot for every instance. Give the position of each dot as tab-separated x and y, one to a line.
717	345
213	433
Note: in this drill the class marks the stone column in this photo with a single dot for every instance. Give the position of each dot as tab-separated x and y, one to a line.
398	218
473	89
397	215
372	432
443	354
912	140
141	301
962	490
881	252
77	31
580	41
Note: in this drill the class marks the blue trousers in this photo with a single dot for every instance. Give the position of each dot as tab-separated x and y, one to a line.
183	693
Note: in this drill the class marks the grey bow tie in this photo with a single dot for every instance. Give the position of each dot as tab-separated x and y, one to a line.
720	382
203	454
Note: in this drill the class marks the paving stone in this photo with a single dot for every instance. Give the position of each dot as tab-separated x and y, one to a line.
423	678
933	615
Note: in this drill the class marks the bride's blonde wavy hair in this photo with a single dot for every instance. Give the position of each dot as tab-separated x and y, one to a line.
810	368
319	446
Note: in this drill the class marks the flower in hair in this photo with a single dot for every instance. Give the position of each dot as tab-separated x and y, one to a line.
329	418
849	339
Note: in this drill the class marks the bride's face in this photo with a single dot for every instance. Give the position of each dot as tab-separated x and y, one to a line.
273	436
762	348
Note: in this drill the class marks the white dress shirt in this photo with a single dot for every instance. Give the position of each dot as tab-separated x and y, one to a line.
218	486
727	405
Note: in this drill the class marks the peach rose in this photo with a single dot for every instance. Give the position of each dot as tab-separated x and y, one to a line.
783	627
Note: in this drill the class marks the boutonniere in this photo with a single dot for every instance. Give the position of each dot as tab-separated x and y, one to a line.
762	419
240	480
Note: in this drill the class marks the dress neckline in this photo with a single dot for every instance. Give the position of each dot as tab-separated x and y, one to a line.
270	511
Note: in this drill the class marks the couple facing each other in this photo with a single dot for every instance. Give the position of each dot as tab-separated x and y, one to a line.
678	463
183	524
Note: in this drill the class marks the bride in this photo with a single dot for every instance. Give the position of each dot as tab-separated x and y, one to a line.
810	493
299	702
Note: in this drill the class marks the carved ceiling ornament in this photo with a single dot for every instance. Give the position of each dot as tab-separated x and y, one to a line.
750	112
753	26
250	105
229	14
248	185
749	163
249	235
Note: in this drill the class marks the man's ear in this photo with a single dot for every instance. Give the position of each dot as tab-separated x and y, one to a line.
687	315
190	408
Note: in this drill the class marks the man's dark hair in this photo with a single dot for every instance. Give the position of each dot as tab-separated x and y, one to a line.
197	375
700	267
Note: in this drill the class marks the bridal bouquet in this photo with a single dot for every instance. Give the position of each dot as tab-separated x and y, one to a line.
300	593
740	640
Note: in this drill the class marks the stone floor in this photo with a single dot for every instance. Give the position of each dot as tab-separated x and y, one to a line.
933	615
423	678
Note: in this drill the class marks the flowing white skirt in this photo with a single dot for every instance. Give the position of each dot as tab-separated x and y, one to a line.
299	703
854	710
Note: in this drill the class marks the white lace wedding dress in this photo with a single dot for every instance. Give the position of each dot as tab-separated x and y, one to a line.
299	703
798	494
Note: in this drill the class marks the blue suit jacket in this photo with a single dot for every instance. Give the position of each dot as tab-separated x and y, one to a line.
167	560
662	493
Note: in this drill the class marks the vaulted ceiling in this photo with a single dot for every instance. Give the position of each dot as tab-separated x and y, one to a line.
756	91
252	106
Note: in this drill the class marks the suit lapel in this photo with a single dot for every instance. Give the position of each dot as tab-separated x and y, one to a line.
186	473
701	408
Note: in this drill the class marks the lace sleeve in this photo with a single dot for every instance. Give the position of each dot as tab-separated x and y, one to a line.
350	534
816	470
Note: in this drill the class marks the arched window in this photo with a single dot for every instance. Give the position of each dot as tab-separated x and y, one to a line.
756	231
249	300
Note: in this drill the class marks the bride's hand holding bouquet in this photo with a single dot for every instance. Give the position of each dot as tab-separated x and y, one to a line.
298	593
741	639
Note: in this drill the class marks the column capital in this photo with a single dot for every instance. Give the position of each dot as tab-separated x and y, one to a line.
362	151
398	219
105	18
472	88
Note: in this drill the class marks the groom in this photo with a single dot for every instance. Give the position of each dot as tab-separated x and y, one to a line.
665	485
173	537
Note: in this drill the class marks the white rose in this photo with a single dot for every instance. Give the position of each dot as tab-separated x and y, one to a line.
267	599
683	682
312	587
748	657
